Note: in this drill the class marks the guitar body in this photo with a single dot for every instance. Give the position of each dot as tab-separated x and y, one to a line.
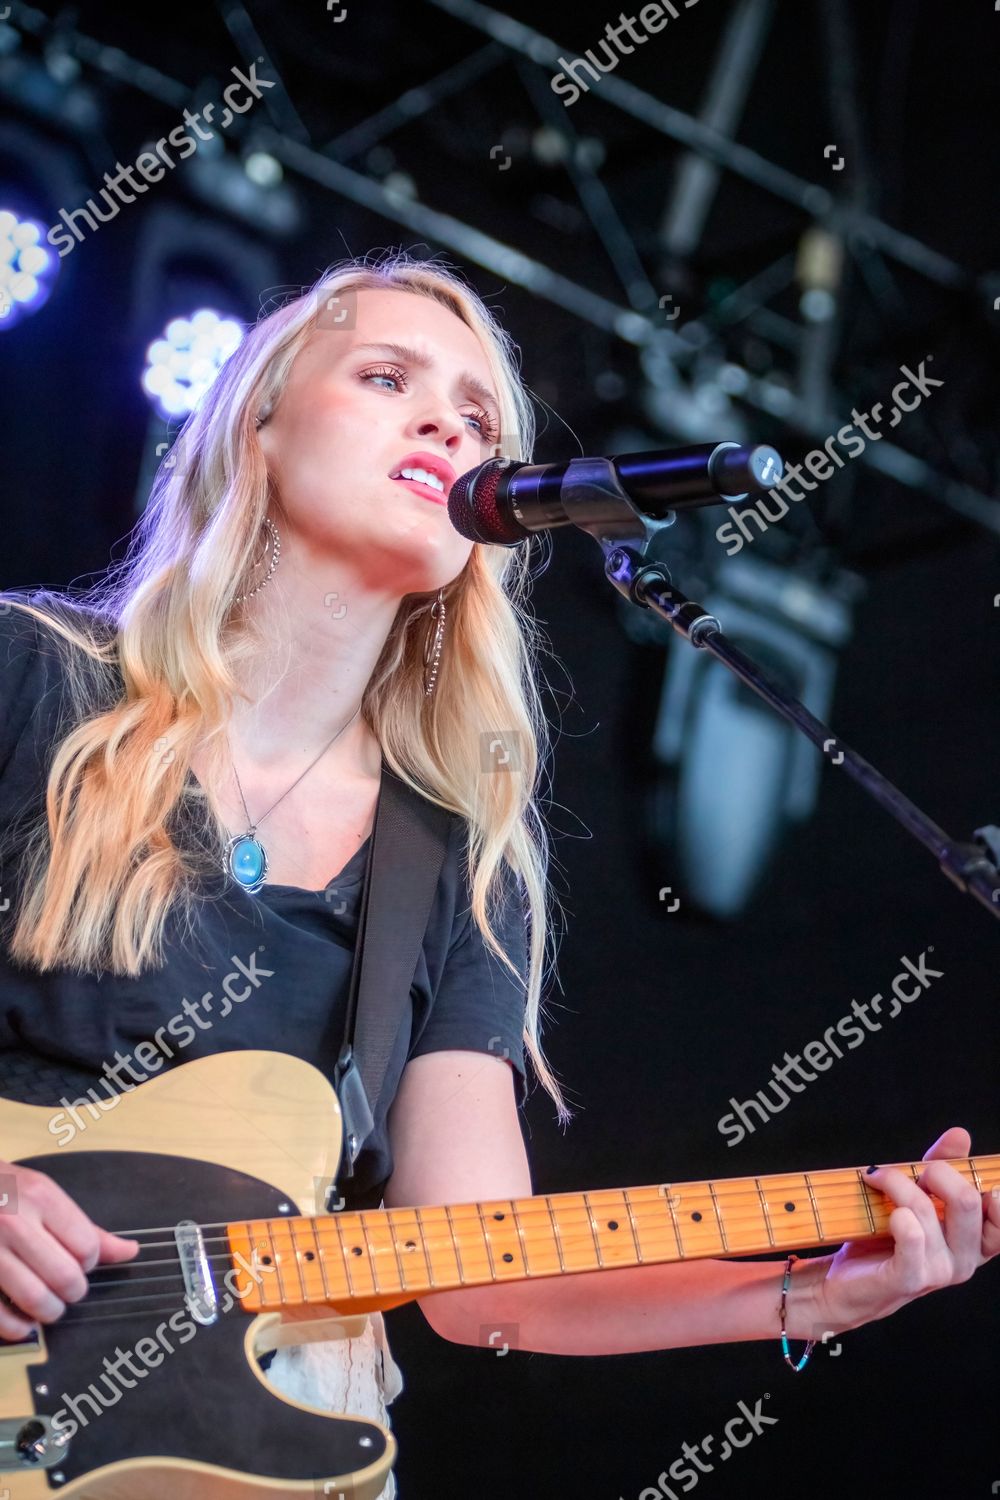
239	1136
149	1388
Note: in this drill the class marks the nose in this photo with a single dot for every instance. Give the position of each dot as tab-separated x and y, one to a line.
440	421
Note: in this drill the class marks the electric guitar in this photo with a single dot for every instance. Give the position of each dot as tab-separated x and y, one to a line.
221	1168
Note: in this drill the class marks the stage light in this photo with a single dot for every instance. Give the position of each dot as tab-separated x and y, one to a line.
263	169
184	362
732	775
27	269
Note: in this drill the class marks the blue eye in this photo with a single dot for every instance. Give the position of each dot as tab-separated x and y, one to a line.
487	426
395	375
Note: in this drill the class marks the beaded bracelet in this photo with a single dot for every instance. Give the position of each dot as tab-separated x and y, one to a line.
784	1336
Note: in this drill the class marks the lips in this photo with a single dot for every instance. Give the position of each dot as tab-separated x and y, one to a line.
433	464
428	492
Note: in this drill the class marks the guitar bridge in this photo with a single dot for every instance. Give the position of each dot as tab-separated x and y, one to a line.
199	1288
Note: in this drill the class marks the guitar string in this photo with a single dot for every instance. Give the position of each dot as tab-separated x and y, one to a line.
831	1194
671	1229
649	1217
566	1242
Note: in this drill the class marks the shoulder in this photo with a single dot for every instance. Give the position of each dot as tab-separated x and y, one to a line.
30	622
33	657
24	674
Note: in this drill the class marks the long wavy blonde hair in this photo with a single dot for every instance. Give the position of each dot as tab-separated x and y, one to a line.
104	866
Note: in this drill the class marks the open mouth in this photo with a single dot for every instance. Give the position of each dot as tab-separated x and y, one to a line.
428	491
427	474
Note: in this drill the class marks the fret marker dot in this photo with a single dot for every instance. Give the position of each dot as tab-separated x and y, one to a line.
696	1216
356	1250
508	1256
612	1223
789	1208
498	1216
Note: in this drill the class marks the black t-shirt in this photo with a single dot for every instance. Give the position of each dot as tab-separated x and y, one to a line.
267	971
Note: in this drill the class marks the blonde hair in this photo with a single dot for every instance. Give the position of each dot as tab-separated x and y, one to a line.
102	868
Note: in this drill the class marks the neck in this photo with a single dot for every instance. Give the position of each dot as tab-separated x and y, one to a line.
329	629
384	1257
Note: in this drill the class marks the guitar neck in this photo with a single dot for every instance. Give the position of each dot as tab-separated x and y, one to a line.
383	1257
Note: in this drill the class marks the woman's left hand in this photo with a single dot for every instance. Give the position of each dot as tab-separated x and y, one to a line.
869	1279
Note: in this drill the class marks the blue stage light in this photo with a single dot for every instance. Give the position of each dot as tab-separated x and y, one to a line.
181	365
27	269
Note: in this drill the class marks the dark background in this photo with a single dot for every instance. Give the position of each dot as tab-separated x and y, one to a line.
656	1018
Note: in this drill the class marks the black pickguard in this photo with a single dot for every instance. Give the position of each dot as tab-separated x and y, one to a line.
202	1402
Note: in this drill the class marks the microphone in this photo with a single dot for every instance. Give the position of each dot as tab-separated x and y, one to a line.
504	501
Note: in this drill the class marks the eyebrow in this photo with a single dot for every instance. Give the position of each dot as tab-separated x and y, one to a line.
467	380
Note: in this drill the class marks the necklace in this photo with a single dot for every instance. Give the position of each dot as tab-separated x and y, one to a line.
246	857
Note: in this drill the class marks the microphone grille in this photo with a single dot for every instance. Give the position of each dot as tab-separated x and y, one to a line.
480	521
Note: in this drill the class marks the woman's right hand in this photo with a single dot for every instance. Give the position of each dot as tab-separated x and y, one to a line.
47	1245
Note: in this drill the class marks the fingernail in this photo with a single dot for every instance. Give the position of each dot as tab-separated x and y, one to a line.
871	1170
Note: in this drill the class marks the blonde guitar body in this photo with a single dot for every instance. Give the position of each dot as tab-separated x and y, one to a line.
222	1169
238	1135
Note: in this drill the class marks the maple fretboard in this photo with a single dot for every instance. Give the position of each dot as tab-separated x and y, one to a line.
381	1257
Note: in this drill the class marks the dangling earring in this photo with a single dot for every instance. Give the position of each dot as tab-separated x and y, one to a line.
432	644
275	554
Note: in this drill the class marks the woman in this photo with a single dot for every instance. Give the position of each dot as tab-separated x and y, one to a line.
213	689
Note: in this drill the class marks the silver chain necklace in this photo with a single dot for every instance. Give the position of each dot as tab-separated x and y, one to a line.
246	857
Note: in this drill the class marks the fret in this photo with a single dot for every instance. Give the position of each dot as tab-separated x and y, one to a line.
767	1216
594	1230
282	1255
345	1258
372	1254
327	1292
975	1175
555	1231
455	1243
423	1246
520	1237
241	1248
395	1246
631	1222
442	1251
486	1238
913	1171
667	1193
307	1253
815	1207
866	1200
718	1216
505	1239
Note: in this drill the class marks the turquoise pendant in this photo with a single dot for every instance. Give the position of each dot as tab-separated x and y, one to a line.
246	861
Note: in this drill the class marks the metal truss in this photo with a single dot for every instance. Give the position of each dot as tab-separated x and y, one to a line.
637	320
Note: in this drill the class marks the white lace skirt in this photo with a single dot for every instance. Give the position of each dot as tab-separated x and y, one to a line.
357	1376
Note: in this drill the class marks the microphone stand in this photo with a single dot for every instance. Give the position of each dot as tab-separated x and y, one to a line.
594	501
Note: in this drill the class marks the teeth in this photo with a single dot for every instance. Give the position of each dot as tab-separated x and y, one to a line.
422	476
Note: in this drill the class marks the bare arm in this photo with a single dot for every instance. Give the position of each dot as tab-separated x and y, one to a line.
456	1138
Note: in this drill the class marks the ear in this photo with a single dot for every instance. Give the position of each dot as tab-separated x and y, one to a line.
264	433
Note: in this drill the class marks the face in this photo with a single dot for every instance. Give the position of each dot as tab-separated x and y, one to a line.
351	416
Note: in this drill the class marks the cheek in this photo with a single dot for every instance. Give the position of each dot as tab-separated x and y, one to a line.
320	456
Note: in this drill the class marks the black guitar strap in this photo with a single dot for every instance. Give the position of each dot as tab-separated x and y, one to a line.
409	841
